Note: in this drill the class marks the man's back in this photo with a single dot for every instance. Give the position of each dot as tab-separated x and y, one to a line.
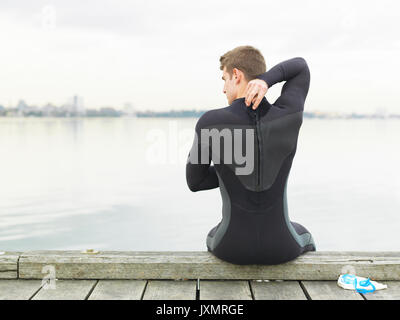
255	227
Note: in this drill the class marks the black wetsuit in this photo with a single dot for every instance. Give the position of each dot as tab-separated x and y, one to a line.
255	226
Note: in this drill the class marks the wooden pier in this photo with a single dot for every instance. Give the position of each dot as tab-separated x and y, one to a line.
181	275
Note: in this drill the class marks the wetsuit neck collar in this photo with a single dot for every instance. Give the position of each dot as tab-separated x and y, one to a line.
262	108
237	100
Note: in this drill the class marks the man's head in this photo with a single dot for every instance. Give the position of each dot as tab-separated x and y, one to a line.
239	66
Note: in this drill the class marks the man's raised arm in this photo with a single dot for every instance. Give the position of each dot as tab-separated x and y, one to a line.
297	76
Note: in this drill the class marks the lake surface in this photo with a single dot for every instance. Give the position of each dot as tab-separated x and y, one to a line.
119	184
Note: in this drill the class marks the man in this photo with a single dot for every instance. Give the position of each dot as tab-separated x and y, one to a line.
255	226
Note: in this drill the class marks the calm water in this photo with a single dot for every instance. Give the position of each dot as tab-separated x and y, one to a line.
119	184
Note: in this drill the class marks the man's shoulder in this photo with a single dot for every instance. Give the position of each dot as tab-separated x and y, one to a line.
212	117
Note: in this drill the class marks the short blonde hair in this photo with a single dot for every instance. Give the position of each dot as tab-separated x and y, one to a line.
247	59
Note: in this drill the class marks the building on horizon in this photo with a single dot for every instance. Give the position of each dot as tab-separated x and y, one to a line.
74	106
129	110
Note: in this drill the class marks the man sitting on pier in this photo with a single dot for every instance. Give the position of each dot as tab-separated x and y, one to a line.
255	227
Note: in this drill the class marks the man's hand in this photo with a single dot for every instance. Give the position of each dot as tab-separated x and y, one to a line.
255	91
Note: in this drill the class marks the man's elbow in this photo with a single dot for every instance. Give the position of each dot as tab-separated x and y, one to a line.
193	187
301	60
191	179
301	63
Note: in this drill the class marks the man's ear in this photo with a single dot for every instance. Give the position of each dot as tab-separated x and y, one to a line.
236	74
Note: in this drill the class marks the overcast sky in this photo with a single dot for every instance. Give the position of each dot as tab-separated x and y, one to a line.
165	54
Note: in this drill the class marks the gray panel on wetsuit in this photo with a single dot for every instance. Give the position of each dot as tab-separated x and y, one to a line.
212	242
302	239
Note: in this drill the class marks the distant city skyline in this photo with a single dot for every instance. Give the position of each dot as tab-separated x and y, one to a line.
75	108
165	55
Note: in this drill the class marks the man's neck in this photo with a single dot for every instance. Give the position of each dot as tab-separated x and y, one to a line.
241	93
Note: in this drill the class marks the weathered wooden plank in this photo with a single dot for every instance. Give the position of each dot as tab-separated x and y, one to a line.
9	265
66	290
18	289
277	290
392	292
118	290
365	254
225	290
203	265
170	290
329	290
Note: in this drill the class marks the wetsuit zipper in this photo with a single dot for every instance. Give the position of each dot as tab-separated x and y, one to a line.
258	134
